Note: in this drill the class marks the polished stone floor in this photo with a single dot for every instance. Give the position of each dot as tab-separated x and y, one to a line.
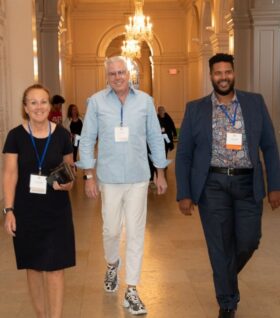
176	278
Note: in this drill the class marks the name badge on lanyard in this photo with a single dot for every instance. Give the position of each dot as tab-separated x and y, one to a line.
38	184
121	134
234	141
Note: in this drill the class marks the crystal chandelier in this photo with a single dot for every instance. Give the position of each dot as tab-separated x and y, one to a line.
131	49
139	27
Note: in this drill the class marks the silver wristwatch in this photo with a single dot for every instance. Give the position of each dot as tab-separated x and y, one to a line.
6	210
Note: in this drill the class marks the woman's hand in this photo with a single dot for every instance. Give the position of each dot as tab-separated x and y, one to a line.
10	223
62	187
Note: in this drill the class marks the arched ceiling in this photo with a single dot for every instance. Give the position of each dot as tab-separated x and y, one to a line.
182	3
127	1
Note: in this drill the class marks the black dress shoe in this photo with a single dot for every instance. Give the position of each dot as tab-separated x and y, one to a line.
226	313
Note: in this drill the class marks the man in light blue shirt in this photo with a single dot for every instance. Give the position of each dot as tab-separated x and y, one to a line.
123	120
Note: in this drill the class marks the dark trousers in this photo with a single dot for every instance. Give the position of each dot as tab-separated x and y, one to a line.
231	221
75	153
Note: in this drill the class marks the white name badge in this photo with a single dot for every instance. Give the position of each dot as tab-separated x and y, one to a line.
38	184
121	134
166	138
234	141
76	140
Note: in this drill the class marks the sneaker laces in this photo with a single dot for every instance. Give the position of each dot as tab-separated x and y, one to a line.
111	272
132	295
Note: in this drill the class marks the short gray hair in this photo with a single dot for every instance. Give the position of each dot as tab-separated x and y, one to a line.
115	59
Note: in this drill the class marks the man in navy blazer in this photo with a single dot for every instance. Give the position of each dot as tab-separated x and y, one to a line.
218	167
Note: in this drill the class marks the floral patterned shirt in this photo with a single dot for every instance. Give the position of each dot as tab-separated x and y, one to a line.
221	125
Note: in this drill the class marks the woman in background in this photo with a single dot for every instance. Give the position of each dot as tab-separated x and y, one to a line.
74	124
38	216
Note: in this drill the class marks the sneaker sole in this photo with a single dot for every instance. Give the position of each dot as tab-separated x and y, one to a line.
133	312
112	290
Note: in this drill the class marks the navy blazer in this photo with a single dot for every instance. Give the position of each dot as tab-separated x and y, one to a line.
194	148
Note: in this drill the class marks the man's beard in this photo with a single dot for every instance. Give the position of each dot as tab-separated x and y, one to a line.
222	92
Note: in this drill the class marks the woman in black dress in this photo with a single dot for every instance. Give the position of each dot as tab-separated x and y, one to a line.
37	215
74	124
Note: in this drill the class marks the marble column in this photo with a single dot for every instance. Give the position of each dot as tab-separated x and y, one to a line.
256	27
239	22
48	47
220	42
203	68
266	62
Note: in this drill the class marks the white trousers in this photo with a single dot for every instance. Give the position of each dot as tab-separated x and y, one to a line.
125	203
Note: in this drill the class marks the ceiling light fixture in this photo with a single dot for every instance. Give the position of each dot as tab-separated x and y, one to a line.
139	29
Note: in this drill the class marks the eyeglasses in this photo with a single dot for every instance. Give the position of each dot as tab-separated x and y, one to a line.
118	73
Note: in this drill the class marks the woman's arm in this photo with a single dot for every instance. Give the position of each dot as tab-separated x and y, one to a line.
10	177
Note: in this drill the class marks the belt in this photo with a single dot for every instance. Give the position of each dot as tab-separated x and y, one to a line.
231	171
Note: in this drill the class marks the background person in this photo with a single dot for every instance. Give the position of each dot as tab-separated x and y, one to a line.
74	124
218	167
167	127
124	120
56	111
37	216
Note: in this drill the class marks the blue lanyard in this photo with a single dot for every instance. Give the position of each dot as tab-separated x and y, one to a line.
40	160
121	115
233	119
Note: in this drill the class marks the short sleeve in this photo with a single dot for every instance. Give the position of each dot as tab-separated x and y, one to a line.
11	145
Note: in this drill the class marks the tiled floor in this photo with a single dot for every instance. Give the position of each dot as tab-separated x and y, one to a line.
176	278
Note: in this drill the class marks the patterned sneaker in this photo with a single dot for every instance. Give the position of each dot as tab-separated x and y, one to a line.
111	280
133	302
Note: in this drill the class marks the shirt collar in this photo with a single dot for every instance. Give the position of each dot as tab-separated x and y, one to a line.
109	89
216	103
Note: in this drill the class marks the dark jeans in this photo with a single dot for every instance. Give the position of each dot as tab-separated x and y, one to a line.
231	221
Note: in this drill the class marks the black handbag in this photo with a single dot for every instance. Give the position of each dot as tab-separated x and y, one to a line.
62	174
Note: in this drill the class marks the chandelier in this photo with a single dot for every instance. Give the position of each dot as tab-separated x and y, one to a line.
131	49
139	29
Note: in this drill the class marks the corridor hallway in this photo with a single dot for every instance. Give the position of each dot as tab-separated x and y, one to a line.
176	278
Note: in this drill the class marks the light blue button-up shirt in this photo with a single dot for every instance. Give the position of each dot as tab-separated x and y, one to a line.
121	162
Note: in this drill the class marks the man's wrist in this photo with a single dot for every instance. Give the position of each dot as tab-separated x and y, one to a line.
87	176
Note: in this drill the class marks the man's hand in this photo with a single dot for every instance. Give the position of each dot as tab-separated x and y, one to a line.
274	199
160	181
91	188
186	206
